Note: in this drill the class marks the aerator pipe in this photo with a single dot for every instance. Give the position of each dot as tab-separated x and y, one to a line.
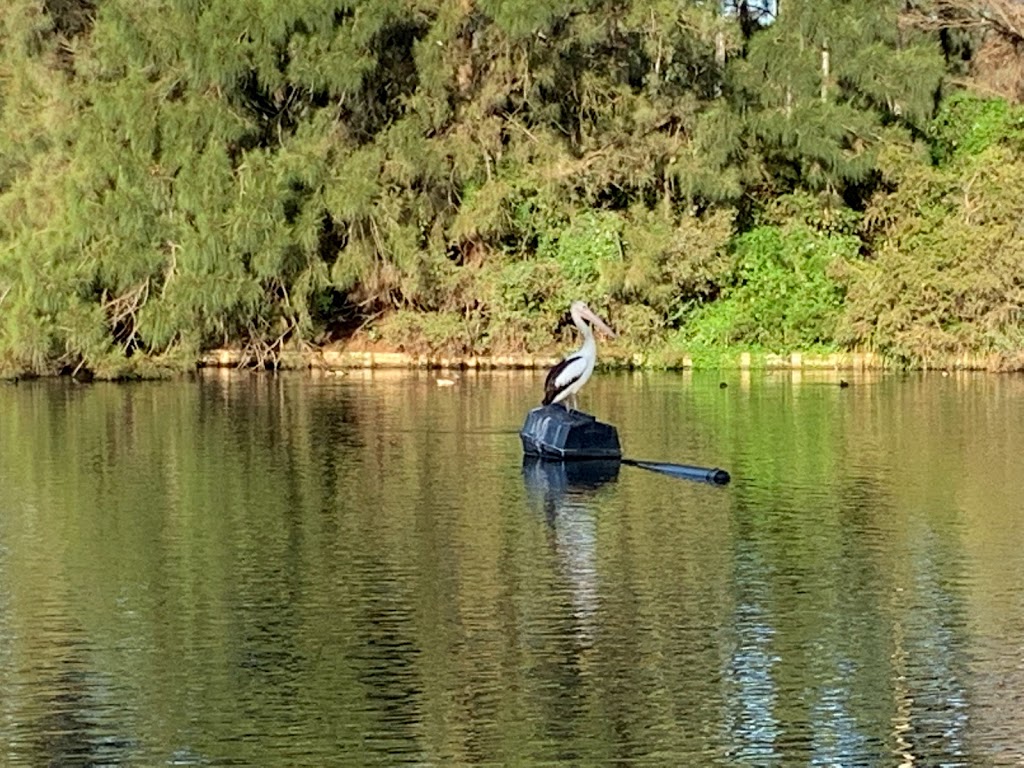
713	476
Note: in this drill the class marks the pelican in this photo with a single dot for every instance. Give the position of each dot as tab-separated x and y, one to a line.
568	377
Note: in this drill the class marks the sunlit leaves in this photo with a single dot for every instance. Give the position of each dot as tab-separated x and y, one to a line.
523	18
781	294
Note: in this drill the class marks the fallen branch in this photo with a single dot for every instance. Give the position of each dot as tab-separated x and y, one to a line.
1005	17
122	312
259	353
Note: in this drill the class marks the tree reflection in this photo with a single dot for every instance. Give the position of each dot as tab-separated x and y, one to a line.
285	570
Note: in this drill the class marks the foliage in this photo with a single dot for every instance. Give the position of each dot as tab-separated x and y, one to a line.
781	294
967	125
427	332
948	273
828	84
188	175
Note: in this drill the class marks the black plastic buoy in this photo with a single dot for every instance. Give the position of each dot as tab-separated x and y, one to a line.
554	433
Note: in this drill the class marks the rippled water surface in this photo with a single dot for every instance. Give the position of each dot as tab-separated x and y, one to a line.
360	570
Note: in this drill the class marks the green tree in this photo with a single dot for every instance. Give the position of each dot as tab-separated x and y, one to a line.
825	84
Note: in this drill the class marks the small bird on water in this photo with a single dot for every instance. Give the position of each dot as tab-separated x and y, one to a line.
565	379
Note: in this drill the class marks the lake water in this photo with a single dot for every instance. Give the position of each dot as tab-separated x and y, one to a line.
359	570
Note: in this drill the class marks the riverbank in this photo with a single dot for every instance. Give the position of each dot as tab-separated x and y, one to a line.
377	356
343	358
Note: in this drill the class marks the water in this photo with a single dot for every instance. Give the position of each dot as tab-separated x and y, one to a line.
359	570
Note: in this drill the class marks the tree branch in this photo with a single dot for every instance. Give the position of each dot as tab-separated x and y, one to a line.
1005	17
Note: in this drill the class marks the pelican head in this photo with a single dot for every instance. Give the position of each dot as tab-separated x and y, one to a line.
580	312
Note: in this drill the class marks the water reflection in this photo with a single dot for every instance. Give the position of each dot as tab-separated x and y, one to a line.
363	569
552	481
753	695
564	490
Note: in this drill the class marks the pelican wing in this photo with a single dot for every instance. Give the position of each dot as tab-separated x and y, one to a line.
563	375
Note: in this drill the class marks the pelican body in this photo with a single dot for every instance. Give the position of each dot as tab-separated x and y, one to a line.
568	377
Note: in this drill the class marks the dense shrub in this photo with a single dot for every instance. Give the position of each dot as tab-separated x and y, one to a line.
781	294
947	272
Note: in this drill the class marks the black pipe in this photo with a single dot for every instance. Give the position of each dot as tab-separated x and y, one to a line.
700	474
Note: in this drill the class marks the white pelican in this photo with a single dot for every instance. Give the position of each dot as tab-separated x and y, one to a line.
569	376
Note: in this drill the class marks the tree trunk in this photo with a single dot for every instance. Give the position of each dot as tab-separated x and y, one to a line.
825	68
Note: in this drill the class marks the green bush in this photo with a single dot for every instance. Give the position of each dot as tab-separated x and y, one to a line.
781	295
427	332
966	125
947	275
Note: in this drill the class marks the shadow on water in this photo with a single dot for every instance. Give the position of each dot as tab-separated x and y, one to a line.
65	719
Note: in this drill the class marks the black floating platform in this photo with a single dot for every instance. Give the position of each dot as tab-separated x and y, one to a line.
554	432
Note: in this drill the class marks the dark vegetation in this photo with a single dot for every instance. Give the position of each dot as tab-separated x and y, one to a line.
180	175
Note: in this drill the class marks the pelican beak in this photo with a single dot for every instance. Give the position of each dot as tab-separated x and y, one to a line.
600	324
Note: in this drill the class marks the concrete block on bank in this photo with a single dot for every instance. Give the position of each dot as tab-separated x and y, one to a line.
390	359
